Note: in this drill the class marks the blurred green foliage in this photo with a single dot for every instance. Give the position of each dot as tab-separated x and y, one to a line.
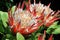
5	4
54	28
20	36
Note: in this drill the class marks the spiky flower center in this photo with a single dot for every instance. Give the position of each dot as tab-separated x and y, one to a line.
30	19
24	17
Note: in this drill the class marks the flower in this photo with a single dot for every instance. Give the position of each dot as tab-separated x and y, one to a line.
29	20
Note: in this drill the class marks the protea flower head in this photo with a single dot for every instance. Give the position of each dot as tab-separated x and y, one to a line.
29	20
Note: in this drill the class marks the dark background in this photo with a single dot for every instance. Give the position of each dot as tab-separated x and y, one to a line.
5	4
55	4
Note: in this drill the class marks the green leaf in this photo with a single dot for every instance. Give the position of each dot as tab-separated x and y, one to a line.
13	9
4	18
11	0
1	27
5	24
6	39
52	27
0	14
8	35
8	30
20	36
56	31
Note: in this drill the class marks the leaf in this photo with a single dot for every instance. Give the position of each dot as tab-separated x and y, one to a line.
5	24
6	39
4	18
8	30
1	28
11	0
0	14
37	34
56	31
20	36
8	35
52	27
13	9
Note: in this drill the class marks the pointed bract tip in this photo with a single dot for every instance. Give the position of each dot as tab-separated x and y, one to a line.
49	4
58	11
34	2
39	2
51	37
29	1
23	4
19	5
